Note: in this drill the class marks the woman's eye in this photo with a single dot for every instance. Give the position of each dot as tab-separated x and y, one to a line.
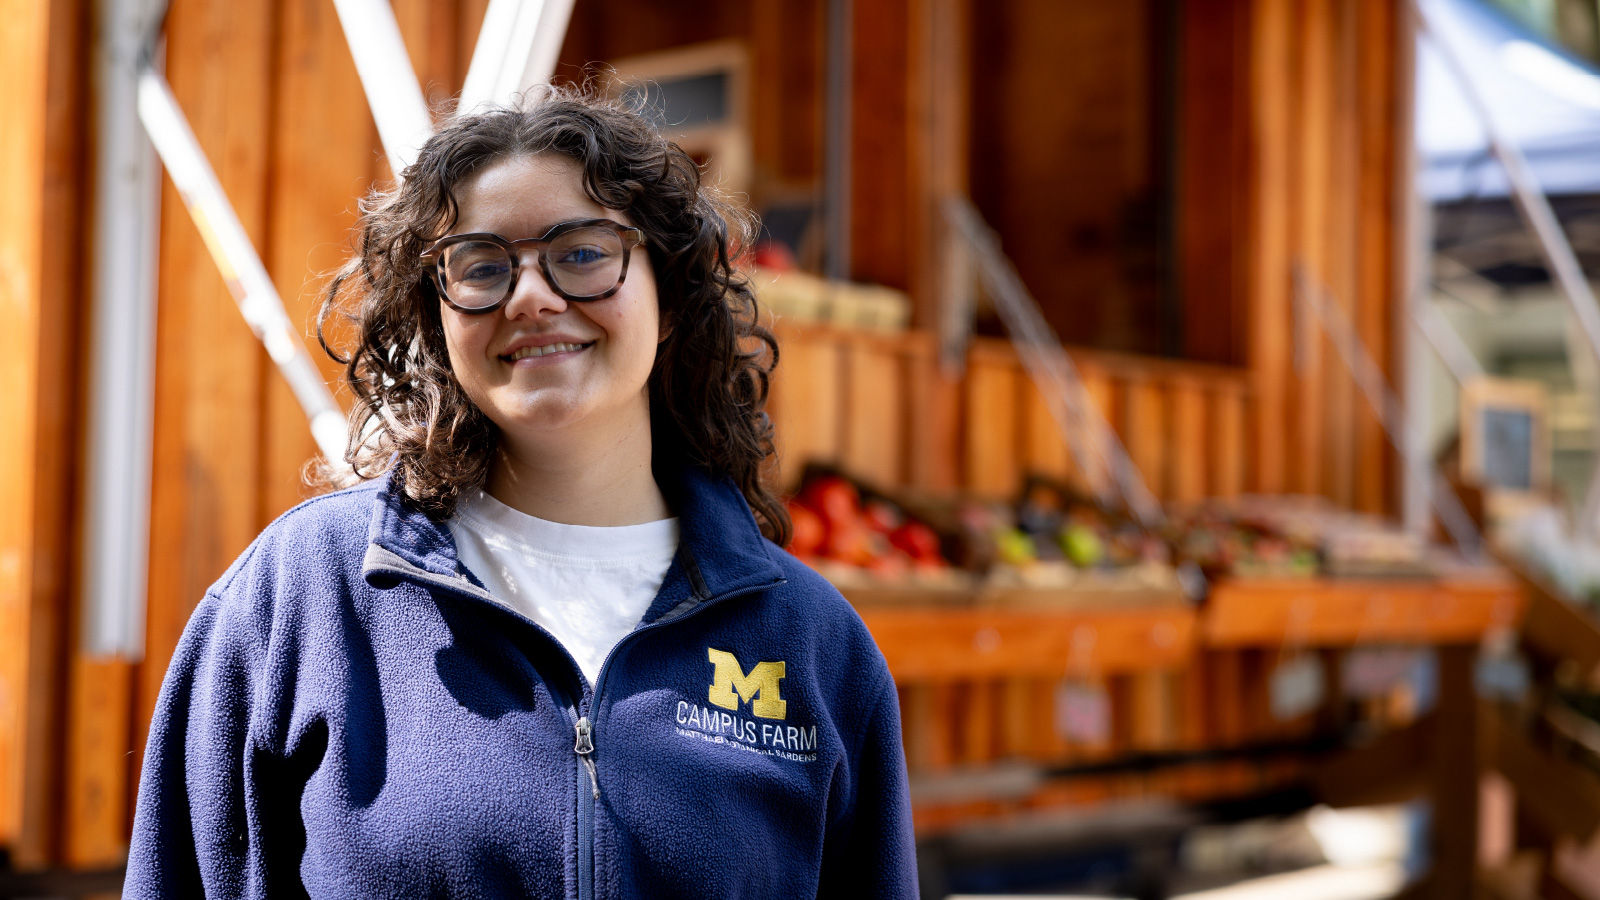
484	271
581	256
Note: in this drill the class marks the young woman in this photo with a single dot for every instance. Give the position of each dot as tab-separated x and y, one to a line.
544	649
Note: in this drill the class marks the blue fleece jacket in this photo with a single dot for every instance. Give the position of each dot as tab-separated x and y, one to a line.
350	714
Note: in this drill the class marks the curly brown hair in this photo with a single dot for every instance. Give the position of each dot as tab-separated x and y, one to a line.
709	383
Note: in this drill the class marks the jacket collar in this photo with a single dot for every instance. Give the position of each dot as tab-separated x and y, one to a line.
720	547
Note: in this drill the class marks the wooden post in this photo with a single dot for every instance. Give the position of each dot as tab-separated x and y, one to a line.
1454	769
42	64
210	369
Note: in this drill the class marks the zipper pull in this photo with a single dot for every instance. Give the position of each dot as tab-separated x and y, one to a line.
584	748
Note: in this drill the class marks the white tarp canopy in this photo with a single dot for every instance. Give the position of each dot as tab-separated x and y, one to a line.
1545	99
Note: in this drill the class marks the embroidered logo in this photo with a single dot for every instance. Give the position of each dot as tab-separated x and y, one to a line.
732	688
730	684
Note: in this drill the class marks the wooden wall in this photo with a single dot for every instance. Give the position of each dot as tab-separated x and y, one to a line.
42	51
1322	192
1069	162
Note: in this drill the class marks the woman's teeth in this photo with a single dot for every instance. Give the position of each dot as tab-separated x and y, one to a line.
526	352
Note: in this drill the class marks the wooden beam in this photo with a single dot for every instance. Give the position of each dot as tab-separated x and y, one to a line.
43	60
924	644
324	149
1453	766
1381	126
1391	769
205	504
1271	48
1334	612
1561	795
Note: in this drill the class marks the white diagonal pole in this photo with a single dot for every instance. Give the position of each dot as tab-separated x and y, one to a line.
1051	368
387	77
517	49
1392	416
236	257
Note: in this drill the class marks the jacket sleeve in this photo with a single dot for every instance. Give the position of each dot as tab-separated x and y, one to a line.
195	829
871	851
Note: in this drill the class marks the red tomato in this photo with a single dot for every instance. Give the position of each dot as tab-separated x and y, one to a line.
836	499
918	540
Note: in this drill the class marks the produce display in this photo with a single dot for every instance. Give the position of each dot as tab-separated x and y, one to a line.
1054	539
1292	537
853	535
1050	539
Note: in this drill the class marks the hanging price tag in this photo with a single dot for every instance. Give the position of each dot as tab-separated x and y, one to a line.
1297	686
1083	712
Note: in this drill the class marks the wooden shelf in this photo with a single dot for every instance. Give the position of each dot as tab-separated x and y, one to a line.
933	644
1340	612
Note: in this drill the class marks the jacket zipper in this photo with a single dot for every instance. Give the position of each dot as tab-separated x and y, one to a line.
585	745
588	779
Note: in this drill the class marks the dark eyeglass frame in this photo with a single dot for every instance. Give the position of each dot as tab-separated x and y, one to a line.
434	257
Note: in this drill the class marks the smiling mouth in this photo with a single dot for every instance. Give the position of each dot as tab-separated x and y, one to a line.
546	350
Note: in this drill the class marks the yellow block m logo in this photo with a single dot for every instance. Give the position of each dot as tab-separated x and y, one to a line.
759	688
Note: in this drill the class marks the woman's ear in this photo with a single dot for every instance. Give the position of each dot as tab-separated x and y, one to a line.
664	331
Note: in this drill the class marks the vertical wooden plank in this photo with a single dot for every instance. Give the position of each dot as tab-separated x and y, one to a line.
917	725
99	782
1044	451
1153	725
991	428
1101	391
469	22
1212	172
209	367
1048	745
323	146
976	733
873	441
1453	775
933	419
1344	190
1017	721
940	752
881	230
1313	77
1191	444
1144	433
1229	436
939	122
42	59
429	29
1381	127
1271	55
805	402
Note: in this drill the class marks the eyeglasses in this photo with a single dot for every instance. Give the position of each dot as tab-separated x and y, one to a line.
581	261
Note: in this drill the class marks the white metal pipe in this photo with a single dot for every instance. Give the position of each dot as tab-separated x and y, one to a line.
116	507
1442	336
236	257
1051	368
387	77
1369	379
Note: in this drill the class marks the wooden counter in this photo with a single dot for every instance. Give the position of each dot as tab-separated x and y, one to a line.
1328	612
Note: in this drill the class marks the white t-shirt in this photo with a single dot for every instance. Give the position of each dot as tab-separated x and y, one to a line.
588	586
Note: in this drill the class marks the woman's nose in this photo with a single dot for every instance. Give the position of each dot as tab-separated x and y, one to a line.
533	295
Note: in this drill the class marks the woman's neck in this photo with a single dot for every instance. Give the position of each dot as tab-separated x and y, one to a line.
581	478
